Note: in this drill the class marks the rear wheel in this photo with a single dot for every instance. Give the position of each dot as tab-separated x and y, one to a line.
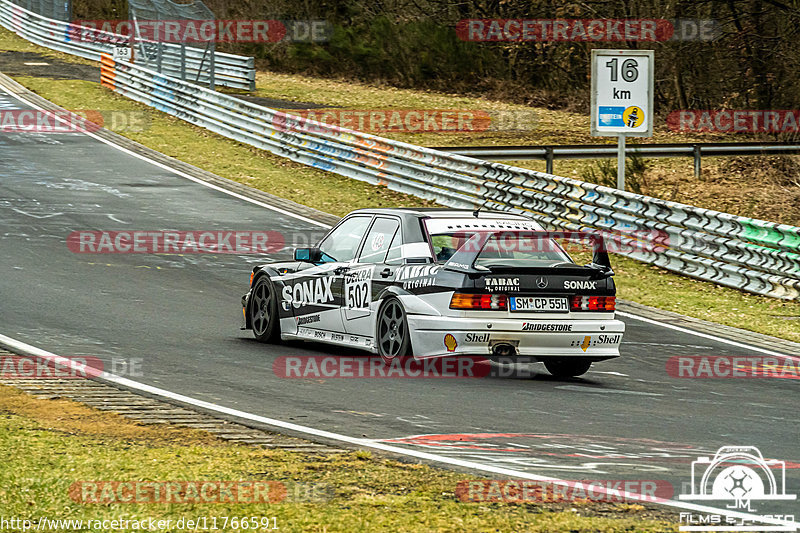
264	311
567	368
393	337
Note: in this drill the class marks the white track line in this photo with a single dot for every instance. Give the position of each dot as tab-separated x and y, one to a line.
708	336
32	351
175	171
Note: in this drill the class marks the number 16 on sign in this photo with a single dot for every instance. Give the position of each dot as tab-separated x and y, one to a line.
622	98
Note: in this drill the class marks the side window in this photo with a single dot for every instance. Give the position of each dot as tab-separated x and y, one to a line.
395	255
445	245
342	244
378	240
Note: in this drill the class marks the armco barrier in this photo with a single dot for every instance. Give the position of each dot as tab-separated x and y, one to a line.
229	70
753	255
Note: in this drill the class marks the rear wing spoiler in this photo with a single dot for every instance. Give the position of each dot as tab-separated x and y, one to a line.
463	260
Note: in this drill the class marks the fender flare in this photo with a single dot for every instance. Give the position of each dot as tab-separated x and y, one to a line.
402	294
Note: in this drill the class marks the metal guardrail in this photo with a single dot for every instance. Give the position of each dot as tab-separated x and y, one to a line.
753	255
230	70
596	151
55	9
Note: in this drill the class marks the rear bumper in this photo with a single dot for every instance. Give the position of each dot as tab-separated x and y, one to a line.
538	339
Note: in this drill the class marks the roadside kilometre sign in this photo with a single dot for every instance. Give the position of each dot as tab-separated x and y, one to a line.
622	98
622	92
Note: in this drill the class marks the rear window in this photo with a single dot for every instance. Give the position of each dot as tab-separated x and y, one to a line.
509	248
519	250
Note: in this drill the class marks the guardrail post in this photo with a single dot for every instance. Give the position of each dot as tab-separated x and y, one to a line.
548	157
212	82
697	169
183	61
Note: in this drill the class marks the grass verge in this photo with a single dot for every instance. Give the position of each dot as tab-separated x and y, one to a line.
47	445
339	195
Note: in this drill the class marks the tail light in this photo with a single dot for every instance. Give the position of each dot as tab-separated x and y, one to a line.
495	302
593	303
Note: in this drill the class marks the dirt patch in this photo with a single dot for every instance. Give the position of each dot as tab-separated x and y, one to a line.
41	66
73	418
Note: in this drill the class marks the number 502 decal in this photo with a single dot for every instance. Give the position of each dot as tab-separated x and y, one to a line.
358	288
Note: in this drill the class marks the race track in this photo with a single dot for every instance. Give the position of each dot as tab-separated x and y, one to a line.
181	314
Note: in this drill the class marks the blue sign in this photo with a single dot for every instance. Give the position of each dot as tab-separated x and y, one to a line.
610	116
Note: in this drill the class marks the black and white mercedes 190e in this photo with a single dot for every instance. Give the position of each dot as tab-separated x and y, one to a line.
442	283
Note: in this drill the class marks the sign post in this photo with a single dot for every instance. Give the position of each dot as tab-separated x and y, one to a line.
622	98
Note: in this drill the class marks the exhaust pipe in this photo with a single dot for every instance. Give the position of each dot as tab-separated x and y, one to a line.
504	349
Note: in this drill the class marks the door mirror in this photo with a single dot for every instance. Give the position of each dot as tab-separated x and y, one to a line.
308	255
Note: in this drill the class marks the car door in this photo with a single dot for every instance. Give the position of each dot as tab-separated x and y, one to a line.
370	273
316	293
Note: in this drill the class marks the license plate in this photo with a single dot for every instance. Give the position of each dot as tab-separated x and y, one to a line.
533	304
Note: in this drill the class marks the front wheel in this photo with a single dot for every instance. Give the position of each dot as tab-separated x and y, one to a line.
393	338
264	311
568	367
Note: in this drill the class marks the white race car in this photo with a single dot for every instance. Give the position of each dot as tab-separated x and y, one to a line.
442	283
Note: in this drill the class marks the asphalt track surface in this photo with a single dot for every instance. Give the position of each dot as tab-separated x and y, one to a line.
180	315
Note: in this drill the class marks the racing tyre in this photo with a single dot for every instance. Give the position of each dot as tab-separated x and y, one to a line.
393	338
567	368
264	311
